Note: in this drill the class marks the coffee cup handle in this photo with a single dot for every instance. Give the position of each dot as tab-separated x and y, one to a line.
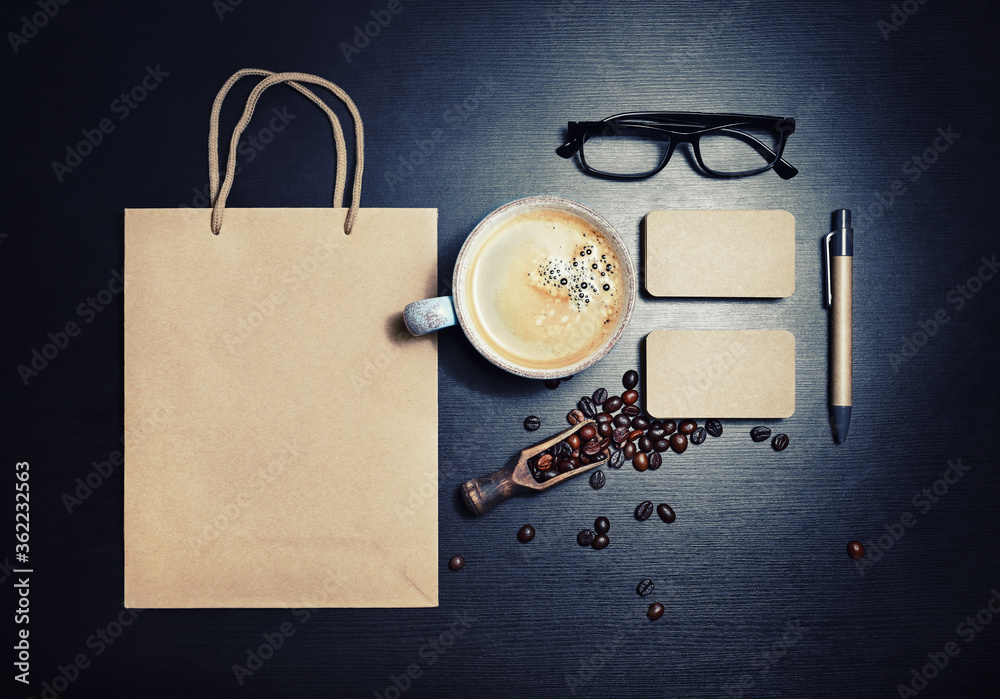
430	315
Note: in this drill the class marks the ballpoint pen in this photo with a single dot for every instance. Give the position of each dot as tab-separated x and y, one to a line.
839	291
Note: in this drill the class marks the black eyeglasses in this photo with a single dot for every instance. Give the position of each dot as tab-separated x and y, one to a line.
638	144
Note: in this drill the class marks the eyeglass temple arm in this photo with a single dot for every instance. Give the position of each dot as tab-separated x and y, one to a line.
785	169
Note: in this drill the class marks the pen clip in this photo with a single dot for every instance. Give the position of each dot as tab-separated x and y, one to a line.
827	277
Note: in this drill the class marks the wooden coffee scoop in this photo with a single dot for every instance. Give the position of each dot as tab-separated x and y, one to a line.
482	494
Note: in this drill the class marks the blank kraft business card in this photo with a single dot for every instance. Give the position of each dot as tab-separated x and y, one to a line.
719	254
726	373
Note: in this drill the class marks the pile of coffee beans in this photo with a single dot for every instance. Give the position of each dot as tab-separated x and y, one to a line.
761	434
583	447
596	538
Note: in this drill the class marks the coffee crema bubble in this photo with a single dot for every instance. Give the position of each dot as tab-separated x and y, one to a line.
546	289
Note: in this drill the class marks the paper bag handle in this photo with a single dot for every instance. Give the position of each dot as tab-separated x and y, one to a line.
219	195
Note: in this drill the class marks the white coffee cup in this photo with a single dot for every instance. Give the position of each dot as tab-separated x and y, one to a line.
523	285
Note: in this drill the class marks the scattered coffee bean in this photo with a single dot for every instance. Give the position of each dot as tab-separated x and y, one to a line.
597	480
586	433
532	423
605	429
586	537
856	550
630	396
575	417
456	562
605	442
661	445
698	436
678	442
669	426
612	404
603	417
601	542
631	410
620	435
617	460
687	426
631	379
645	587
666	512
714	428
655	424
645	444
587	406
779	442
602	525
643	510
655	611
573	441
600	395
526	533
544	461
551	383
629	450
634	435
640	461
760	434
622	421
640	423
655	461
656	433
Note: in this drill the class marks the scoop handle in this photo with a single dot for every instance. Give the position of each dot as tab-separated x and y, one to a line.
484	493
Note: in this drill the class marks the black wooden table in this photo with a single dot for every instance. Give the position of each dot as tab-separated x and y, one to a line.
464	104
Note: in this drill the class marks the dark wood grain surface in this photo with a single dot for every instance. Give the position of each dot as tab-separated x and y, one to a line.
464	104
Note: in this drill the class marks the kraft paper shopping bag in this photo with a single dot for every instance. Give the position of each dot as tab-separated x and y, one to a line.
281	424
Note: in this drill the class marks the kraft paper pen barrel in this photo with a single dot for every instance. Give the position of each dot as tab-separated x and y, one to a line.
839	293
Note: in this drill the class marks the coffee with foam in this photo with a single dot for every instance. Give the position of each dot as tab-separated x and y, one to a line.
545	289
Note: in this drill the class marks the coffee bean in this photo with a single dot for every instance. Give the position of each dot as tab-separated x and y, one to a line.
602	525
629	450
687	426
573	441
586	433
605	442
603	417
622	421
645	587
601	542
661	445
586	459
631	379
605	429
617	460
714	428
544	461
656	433
760	434
563	448
586	537
564	464
551	383
550	474
643	510
779	442
456	562
592	447
526	533
669	426
634	435
645	444
597	480
655	611
666	512
678	442
587	406
620	435
532	423
856	550
655	461
631	410
612	404
630	397
640	423
600	395
698	436
575	417
640	461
